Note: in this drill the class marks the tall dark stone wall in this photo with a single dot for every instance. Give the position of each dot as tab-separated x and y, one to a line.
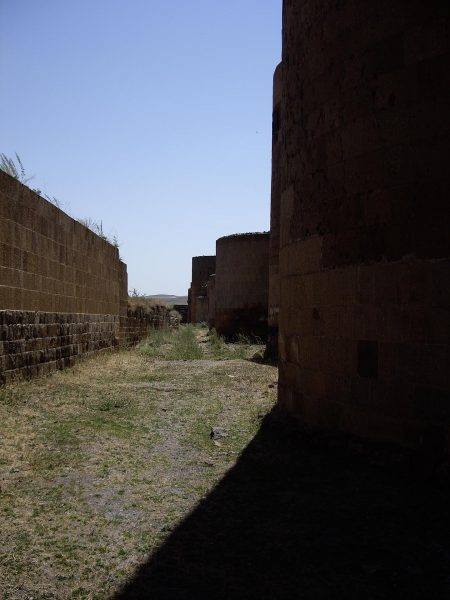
274	241
202	268
365	219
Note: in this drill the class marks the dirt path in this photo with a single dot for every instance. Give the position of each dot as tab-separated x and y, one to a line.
99	464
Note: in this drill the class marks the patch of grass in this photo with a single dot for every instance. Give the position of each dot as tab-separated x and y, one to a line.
180	344
185	345
217	345
194	342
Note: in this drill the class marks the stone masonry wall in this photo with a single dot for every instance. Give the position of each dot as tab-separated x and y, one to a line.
202	268
211	294
63	289
242	284
139	322
365	223
36	343
49	262
274	241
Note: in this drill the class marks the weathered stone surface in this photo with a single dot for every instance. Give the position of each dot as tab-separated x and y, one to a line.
139	322
36	343
202	268
49	262
242	284
63	289
364	221
211	294
274	242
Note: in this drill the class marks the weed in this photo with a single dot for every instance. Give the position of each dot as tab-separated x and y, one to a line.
17	171
97	228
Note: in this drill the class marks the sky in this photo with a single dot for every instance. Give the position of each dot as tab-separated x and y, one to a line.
153	117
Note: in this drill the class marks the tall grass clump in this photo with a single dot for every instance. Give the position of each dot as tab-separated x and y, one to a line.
185	345
169	344
155	345
217	345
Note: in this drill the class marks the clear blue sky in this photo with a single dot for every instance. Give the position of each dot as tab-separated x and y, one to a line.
153	116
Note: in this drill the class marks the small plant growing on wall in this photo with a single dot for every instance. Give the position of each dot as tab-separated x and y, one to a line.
15	168
8	165
98	229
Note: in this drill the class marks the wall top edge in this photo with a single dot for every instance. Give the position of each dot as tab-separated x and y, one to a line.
10	181
244	236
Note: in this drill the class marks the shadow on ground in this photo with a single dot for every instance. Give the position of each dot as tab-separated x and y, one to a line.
298	519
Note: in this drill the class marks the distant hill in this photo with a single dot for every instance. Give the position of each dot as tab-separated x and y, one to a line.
169	299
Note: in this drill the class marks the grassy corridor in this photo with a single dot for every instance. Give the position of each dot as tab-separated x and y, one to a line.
111	487
98	464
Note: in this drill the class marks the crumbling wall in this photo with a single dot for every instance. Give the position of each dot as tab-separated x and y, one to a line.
202	268
182	310
140	321
242	284
274	241
365	244
63	289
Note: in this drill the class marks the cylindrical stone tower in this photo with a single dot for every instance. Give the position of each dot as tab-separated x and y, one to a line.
365	219
274	242
242	284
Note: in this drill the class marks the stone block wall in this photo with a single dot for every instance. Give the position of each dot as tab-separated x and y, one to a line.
274	241
63	289
201	309
49	262
242	284
211	293
365	224
202	268
37	343
140	321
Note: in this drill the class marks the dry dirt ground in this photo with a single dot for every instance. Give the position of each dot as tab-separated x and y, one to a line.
112	487
98	464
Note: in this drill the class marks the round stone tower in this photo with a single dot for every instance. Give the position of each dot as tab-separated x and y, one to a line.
365	220
242	284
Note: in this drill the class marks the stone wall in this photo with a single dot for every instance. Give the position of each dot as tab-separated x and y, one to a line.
202	268
140	321
365	244
37	343
182	309
274	242
211	293
201	308
49	262
242	284
63	289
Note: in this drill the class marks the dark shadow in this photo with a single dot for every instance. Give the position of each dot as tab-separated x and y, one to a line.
262	358
301	517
